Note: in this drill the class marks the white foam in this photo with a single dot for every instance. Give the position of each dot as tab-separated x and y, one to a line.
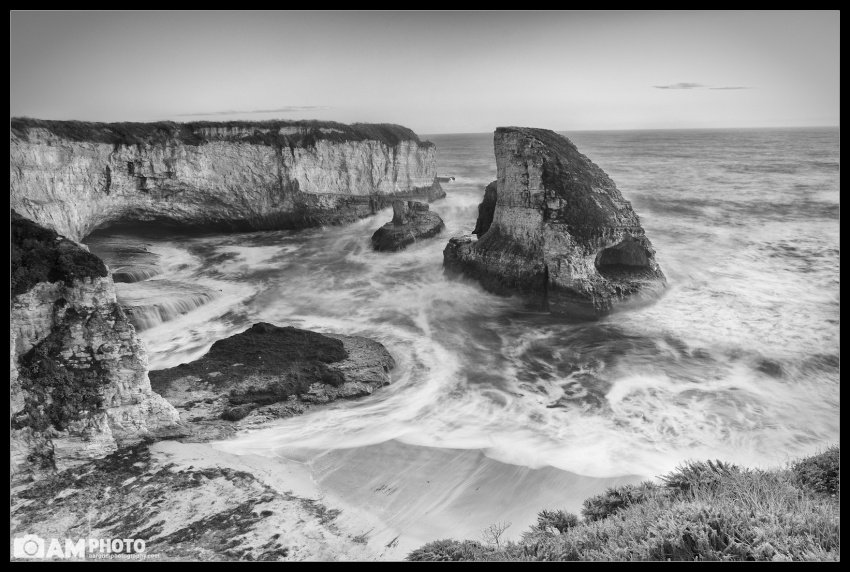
635	394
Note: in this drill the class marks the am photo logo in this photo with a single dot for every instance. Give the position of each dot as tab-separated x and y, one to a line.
34	546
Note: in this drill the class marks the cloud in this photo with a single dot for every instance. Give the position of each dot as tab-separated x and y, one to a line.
682	85
287	109
687	85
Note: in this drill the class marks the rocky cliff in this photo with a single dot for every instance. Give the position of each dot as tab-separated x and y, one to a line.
559	233
75	177
79	386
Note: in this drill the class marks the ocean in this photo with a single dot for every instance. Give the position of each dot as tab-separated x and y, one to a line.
500	410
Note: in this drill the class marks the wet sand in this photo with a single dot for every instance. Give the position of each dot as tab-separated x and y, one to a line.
406	495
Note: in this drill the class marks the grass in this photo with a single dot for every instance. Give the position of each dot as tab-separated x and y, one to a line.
702	511
264	132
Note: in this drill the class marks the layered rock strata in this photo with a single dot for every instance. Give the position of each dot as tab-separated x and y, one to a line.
412	221
267	365
75	177
556	230
79	387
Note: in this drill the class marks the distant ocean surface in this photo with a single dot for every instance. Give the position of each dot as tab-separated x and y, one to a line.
739	360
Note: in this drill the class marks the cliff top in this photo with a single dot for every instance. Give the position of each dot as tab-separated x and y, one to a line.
38	254
281	133
591	199
557	144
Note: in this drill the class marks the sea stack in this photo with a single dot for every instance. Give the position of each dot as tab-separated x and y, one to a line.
412	221
555	229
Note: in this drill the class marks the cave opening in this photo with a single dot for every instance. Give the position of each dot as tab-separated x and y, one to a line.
625	260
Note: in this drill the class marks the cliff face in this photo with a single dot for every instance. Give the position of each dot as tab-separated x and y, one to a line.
561	232
75	177
78	373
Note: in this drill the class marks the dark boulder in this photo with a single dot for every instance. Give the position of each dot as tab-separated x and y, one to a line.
267	364
412	221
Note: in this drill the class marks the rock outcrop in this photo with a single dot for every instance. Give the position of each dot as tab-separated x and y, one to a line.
188	503
75	177
267	365
412	221
79	387
561	234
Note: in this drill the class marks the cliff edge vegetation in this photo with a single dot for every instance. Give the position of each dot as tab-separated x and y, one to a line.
701	511
39	254
277	133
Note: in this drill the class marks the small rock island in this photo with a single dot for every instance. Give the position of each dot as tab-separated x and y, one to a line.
412	221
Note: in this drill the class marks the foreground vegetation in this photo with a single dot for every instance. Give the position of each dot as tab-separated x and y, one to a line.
701	511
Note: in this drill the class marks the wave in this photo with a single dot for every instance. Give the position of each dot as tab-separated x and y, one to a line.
152	302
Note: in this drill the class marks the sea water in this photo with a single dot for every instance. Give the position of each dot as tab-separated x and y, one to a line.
739	360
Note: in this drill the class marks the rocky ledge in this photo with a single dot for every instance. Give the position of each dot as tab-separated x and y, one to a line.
188	502
412	221
271	371
555	229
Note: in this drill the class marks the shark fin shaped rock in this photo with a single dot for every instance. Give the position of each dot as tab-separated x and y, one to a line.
559	233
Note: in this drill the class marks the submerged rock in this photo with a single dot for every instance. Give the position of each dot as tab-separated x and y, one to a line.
412	221
555	229
266	365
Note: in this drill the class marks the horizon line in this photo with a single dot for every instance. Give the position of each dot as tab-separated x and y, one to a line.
643	129
817	126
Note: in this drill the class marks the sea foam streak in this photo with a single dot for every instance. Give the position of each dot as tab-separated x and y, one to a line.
737	361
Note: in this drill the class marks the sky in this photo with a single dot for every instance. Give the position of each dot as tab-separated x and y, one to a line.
435	72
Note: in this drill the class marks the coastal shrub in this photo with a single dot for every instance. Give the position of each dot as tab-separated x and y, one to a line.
447	551
709	512
116	134
39	254
702	474
820	473
617	498
550	523
696	531
559	520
